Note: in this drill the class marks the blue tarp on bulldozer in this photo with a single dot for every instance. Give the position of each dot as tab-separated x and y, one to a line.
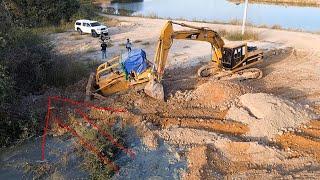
136	62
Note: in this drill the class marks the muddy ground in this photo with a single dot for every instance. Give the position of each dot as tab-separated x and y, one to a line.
206	129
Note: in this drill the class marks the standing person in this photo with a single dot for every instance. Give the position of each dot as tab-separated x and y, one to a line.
104	50
128	45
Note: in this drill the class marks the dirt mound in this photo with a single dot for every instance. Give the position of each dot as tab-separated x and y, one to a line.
218	92
267	115
212	94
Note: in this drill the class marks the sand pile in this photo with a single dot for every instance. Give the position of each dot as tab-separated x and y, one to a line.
218	92
267	115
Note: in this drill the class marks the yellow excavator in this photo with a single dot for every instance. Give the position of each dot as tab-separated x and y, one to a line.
120	74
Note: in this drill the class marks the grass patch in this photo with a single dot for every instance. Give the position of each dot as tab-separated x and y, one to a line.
137	41
110	45
146	43
276	26
151	15
67	71
263	26
237	35
77	38
53	29
110	22
90	50
235	22
75	34
91	163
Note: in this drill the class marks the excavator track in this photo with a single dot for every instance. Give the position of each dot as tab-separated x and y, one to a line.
239	74
244	74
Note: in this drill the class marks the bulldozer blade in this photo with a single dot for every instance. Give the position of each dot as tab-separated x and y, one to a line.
154	90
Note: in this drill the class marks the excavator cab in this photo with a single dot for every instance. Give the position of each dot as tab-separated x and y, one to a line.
238	55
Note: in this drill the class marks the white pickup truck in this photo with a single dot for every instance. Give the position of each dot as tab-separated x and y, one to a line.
92	27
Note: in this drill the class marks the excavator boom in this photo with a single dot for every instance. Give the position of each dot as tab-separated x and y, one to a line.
196	33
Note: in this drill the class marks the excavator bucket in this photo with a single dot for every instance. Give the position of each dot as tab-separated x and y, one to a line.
154	90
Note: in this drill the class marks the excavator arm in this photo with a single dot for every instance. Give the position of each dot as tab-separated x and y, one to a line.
195	33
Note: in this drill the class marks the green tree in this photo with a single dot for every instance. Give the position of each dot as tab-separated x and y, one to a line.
33	13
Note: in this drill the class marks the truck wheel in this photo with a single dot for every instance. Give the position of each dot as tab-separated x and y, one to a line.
94	34
79	31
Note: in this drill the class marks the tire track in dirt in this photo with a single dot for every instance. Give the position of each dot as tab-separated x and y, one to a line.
305	140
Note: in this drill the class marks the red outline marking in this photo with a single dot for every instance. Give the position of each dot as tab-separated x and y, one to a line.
86	104
83	142
106	134
89	146
45	129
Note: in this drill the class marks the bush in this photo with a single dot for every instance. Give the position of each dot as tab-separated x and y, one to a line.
91	163
33	13
28	58
86	10
32	66
6	87
8	129
66	71
28	65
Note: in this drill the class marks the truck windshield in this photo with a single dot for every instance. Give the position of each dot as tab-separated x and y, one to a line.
95	24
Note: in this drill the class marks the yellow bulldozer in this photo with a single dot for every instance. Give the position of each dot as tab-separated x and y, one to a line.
120	74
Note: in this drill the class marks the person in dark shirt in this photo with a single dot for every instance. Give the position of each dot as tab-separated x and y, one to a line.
128	45
104	50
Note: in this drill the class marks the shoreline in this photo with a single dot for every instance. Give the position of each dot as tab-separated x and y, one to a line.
291	38
305	3
234	22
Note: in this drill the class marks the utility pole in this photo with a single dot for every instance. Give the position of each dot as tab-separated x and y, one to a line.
244	16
